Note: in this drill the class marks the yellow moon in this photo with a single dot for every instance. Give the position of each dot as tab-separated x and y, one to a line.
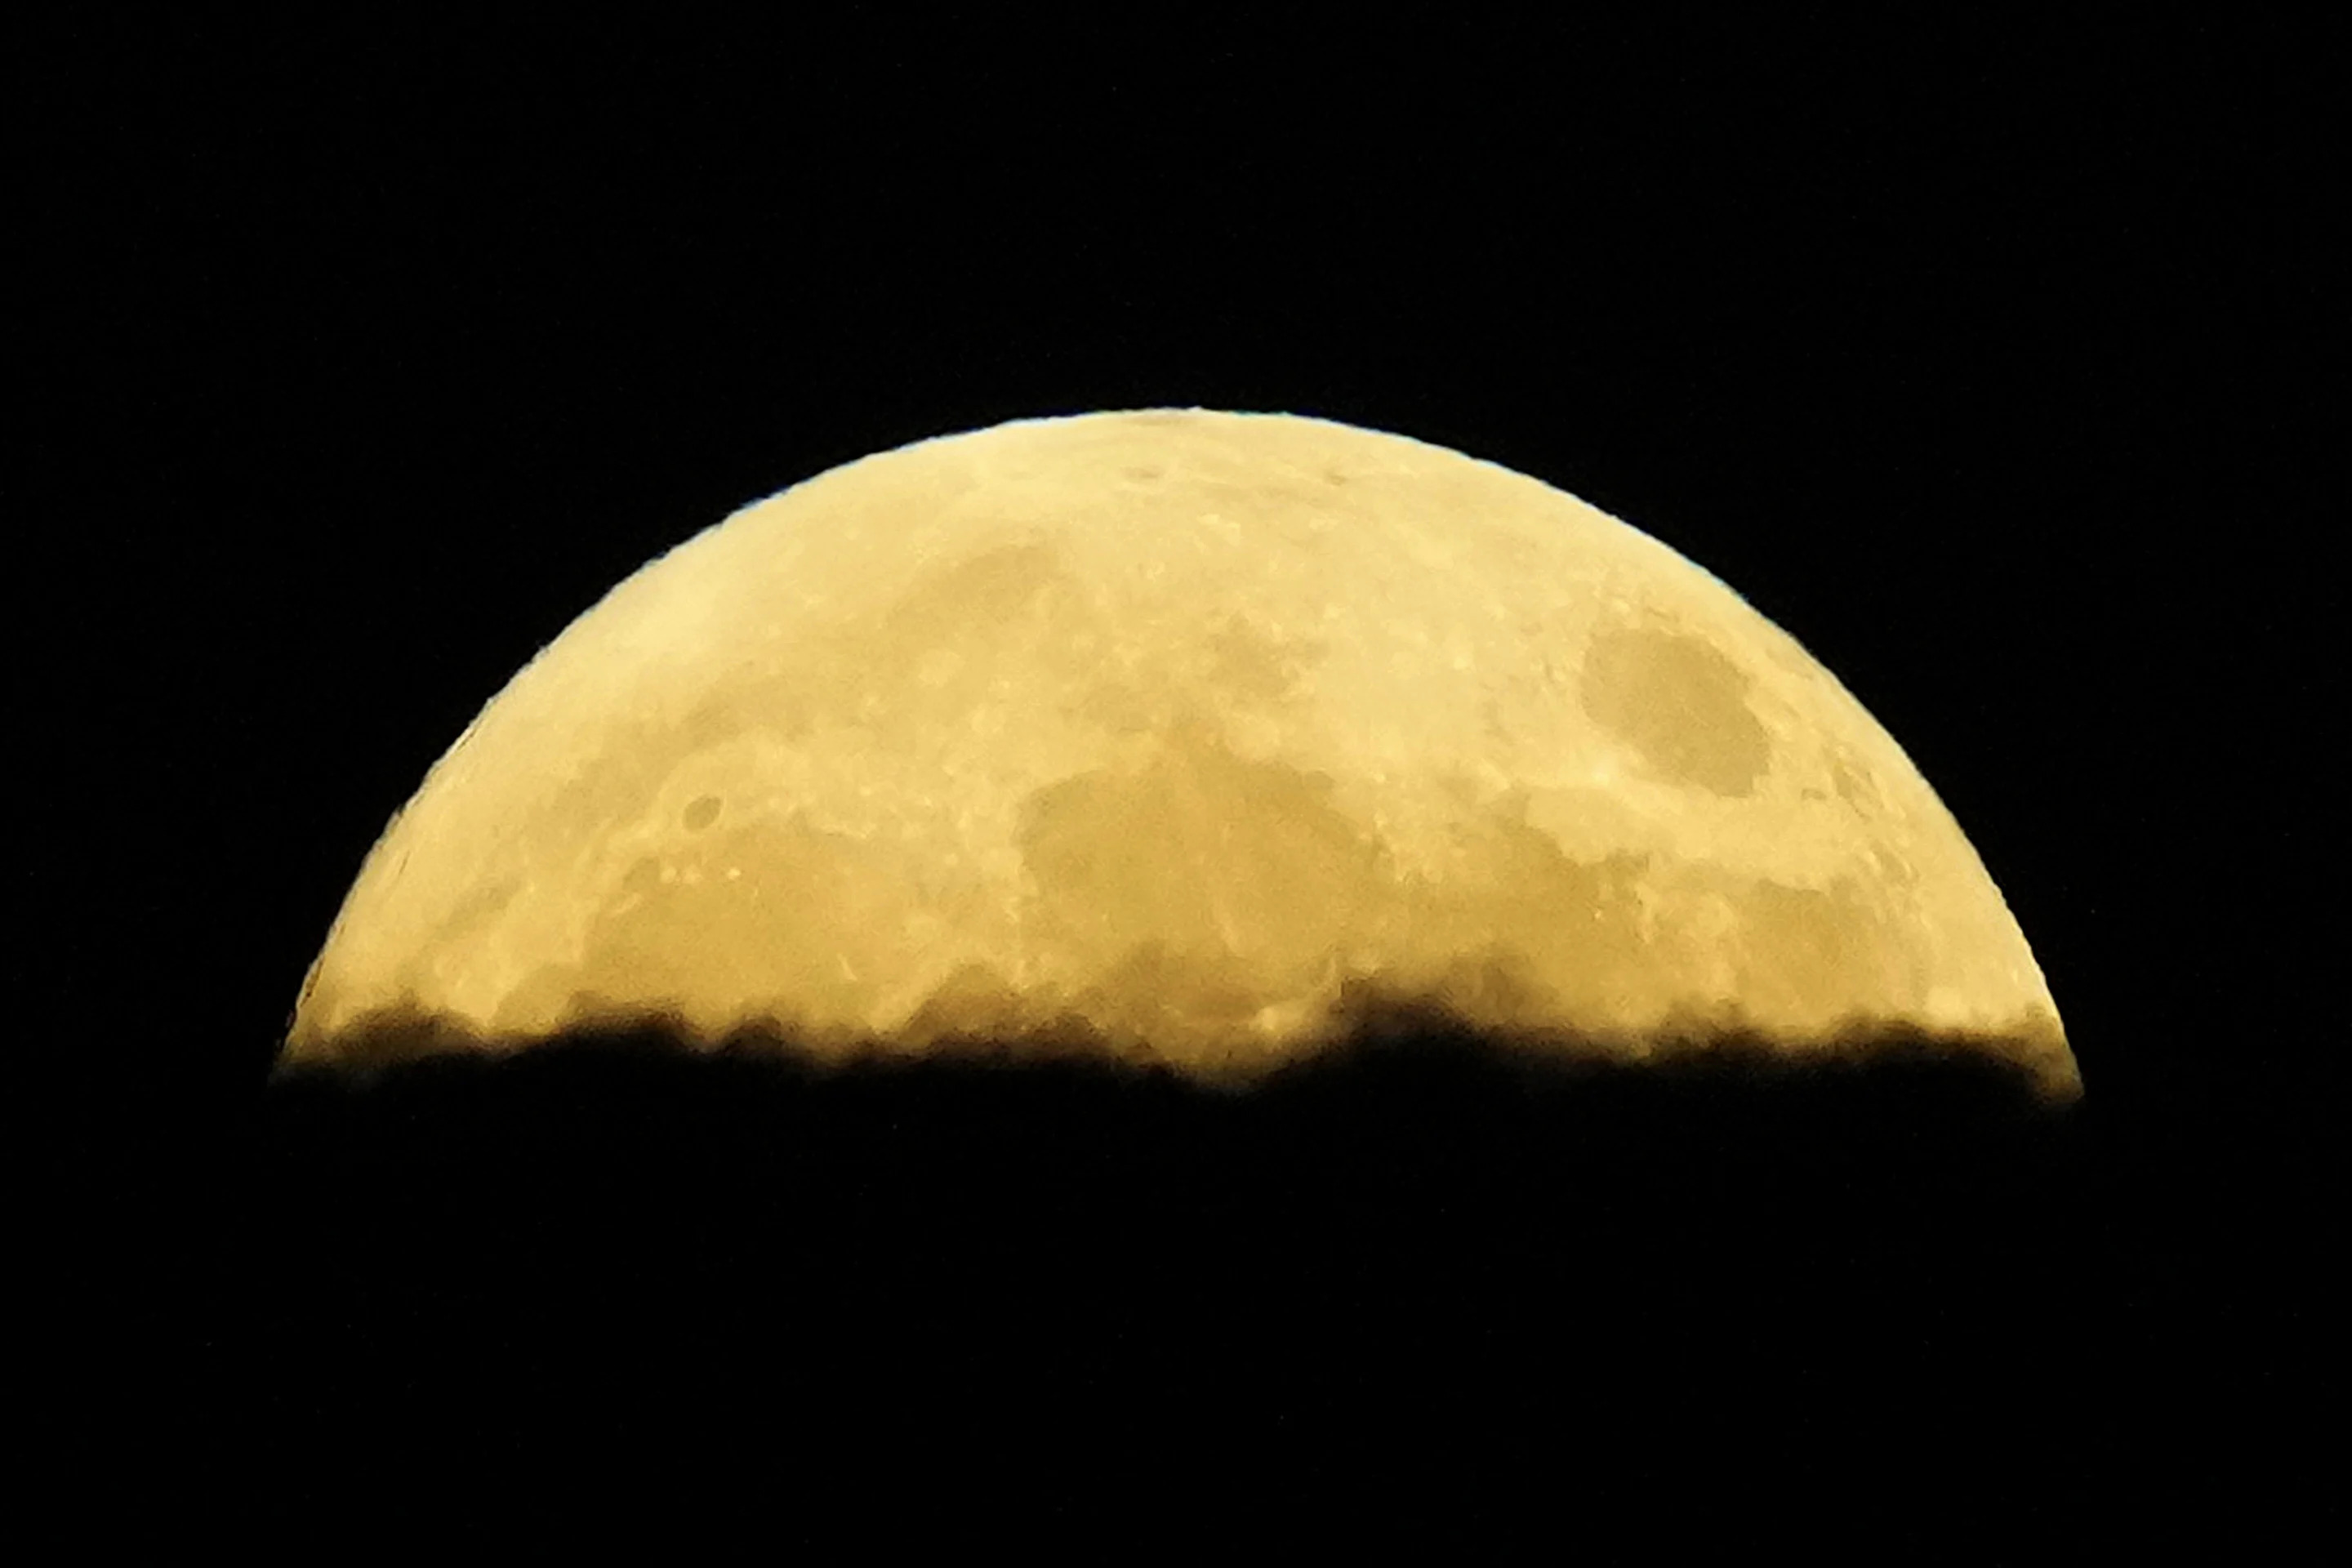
1184	725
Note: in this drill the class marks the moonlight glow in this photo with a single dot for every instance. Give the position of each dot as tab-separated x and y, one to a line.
1178	722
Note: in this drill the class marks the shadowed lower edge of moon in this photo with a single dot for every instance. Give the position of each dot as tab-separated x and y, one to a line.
1368	1014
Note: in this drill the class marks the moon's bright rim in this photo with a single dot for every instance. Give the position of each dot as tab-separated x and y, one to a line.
1178	721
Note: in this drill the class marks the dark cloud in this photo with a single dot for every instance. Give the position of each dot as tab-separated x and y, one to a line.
1426	1237
1431	1259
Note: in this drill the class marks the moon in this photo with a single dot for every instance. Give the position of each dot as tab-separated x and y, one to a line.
1184	726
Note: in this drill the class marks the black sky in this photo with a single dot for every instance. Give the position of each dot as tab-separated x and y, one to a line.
1989	360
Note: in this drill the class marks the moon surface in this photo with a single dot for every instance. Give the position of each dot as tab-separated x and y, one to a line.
1186	726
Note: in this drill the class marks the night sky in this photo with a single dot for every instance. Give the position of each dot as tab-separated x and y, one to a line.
1989	364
